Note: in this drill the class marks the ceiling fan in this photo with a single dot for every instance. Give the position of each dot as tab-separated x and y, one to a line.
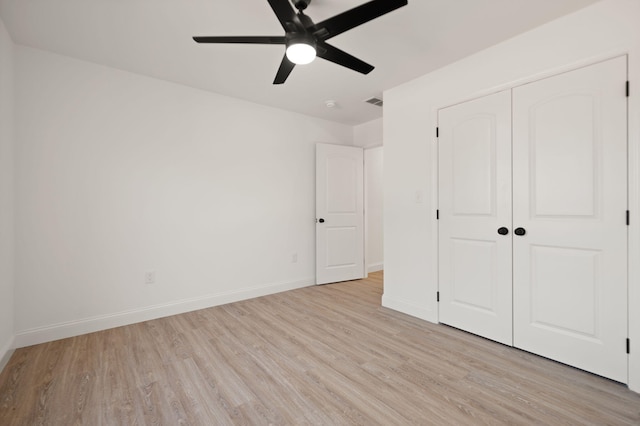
304	39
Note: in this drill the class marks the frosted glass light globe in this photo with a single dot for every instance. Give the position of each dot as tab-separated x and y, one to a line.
301	53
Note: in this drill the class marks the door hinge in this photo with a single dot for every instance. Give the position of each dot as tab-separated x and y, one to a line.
437	132
628	218
437	296
628	346
437	214
628	88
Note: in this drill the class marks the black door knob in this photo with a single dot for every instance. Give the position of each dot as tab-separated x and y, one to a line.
321	220
503	231
519	231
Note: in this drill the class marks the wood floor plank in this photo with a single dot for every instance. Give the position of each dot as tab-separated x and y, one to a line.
323	355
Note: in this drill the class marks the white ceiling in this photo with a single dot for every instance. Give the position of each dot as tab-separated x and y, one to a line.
153	37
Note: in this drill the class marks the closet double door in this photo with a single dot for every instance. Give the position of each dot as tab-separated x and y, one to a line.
533	217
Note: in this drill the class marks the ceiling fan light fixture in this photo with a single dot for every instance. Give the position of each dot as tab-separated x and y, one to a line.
302	36
301	51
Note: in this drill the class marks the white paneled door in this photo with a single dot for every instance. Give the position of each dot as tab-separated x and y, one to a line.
533	217
475	216
570	202
339	213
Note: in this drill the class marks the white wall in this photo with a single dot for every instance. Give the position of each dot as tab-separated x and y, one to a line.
607	28
369	134
118	174
6	196
373	183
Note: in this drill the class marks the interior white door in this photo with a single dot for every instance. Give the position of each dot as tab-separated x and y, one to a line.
570	197
474	203
339	213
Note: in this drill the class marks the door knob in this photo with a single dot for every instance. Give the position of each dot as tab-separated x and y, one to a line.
519	231
503	231
321	220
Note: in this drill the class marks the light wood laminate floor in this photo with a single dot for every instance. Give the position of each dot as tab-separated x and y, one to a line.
326	355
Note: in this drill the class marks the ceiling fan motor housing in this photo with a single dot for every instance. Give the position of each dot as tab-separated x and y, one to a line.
301	4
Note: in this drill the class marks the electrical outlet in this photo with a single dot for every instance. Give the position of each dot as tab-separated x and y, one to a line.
150	277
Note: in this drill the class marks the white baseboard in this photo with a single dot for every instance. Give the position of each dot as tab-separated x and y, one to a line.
5	353
375	267
63	330
409	308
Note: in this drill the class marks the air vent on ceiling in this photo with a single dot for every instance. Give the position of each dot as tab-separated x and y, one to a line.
374	101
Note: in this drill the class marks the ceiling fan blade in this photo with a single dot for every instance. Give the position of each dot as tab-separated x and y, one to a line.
286	15
242	39
286	66
354	17
337	56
